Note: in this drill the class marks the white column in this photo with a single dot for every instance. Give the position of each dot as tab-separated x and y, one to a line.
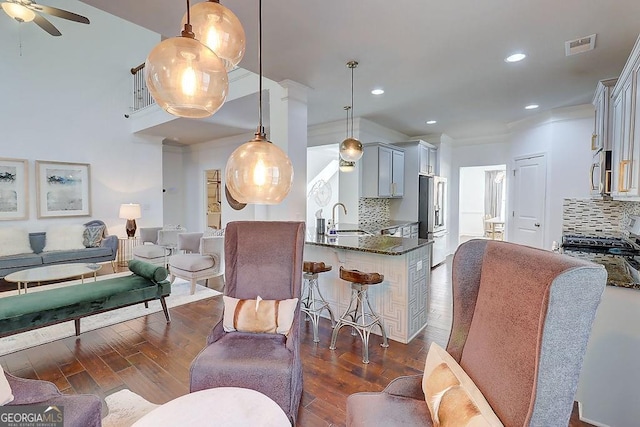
288	130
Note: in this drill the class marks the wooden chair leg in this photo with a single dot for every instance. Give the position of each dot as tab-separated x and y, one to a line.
193	286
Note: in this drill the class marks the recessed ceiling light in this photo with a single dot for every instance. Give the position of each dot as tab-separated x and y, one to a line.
531	107
377	91
431	122
516	57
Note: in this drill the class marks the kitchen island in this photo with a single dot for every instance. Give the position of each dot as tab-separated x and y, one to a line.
401	299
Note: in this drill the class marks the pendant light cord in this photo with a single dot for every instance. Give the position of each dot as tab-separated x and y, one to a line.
188	13
352	67
260	127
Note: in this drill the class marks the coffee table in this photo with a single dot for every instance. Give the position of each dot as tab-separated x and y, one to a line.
221	406
51	272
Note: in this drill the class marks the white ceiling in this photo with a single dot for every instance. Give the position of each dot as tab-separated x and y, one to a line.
441	60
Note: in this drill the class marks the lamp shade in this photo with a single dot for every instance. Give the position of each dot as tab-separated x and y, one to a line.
259	172
351	150
130	211
186	78
220	30
18	12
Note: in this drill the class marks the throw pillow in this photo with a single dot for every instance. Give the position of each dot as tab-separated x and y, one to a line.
92	235
258	315
452	397
64	238
14	241
6	395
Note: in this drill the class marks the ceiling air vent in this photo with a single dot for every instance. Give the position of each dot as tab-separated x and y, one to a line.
580	45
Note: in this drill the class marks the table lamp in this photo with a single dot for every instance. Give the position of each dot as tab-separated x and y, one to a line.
130	212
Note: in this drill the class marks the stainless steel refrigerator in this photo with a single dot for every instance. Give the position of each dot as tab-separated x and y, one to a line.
425	207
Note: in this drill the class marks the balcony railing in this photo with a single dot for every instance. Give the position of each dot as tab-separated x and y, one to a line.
141	96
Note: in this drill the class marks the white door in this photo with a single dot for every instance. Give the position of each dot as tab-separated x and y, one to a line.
530	183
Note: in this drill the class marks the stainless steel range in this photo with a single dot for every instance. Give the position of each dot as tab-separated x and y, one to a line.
619	255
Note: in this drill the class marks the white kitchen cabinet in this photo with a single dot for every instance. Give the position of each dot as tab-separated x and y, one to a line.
626	129
602	134
428	159
382	171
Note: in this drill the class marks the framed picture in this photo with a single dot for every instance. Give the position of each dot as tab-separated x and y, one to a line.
64	189
14	189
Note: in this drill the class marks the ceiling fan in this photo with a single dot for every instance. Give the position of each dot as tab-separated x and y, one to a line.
27	11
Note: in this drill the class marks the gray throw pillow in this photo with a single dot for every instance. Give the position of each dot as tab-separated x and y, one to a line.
92	235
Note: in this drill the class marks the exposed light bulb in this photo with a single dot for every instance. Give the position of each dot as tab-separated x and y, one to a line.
260	173
189	81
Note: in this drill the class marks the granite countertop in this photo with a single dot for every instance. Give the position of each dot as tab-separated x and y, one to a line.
378	244
618	273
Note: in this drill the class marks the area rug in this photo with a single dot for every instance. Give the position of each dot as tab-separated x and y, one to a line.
125	408
180	294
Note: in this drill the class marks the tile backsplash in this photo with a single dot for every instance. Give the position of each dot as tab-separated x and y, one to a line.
595	217
373	211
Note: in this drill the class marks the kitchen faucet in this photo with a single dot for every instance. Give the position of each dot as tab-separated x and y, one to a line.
333	213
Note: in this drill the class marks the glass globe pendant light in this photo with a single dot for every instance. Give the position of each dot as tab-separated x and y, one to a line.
220	30
344	165
258	171
186	78
351	148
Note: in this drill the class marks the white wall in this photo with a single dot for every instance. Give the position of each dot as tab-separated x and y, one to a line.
64	99
318	159
564	136
173	185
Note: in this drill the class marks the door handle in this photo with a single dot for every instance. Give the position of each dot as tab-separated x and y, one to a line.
537	224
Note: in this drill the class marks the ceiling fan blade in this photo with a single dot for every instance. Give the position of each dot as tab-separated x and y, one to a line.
43	23
59	13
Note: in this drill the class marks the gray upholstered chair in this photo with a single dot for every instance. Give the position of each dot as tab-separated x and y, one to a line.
521	322
262	259
80	410
203	258
157	244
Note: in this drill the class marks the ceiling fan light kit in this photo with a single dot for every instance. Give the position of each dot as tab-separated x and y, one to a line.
351	148
18	12
258	171
220	30
185	77
29	11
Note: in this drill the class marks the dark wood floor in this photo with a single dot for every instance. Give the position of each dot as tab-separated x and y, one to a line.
152	358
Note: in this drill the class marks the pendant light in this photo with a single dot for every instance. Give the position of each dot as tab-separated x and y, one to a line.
351	148
186	78
220	30
259	171
344	165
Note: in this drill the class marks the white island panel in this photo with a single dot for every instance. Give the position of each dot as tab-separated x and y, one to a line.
401	299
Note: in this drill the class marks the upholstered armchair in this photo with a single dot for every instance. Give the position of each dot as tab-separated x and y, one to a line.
262	259
521	322
201	258
80	410
157	244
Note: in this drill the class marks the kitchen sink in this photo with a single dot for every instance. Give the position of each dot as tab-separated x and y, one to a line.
352	233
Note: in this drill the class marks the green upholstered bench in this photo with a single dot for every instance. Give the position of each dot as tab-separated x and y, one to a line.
20	313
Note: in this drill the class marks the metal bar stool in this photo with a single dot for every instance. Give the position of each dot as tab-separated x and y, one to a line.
313	303
359	315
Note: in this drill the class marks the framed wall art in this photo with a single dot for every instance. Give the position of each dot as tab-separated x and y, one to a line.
14	189
63	189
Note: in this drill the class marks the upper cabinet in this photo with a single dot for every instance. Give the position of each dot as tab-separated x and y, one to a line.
601	138
625	121
382	171
428	159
